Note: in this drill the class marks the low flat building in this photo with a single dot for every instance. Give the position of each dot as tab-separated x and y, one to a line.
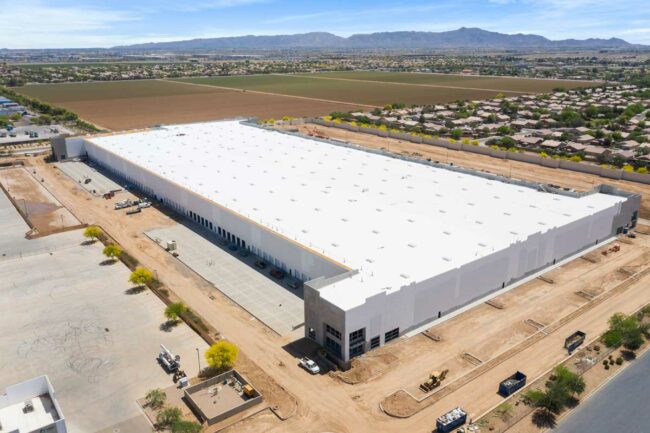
30	407
383	244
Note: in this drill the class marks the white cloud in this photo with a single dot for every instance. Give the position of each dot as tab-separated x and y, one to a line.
34	24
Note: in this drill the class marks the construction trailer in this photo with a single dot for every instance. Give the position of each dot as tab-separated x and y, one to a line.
384	244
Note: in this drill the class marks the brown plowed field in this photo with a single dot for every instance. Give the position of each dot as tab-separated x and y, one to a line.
137	104
119	105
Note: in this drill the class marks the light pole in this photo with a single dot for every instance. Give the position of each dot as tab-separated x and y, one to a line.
198	359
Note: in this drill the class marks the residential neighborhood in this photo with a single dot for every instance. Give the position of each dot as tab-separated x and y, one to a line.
605	125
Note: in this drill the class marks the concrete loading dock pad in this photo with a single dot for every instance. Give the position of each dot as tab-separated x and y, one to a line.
280	308
80	172
69	317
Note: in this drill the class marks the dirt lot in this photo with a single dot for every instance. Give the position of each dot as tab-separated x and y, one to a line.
138	104
504	167
42	210
326	403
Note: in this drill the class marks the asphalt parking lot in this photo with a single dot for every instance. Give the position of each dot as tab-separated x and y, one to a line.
45	132
71	317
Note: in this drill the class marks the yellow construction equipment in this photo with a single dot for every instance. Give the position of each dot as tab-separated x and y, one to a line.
248	391
434	381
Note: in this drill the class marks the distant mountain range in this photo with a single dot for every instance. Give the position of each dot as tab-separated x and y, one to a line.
463	38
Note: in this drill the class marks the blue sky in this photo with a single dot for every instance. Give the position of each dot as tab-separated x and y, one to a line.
104	23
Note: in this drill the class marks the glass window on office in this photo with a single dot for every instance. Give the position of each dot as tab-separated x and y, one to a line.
332	331
333	346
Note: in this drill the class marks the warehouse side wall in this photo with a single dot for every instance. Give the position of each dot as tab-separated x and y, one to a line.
282	252
420	302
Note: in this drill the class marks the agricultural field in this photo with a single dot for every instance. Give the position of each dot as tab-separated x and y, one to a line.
513	84
358	91
120	105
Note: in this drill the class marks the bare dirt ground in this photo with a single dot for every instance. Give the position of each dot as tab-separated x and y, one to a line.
42	210
143	103
328	404
504	167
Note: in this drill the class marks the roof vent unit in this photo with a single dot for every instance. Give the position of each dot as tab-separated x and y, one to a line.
405	276
448	233
447	259
412	245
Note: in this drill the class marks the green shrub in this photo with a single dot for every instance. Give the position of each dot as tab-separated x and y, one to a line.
130	261
619	360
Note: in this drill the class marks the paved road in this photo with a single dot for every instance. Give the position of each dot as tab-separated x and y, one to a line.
621	406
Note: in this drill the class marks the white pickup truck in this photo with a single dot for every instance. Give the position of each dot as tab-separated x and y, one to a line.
123	204
309	365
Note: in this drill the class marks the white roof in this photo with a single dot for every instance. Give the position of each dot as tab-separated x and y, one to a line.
14	419
395	221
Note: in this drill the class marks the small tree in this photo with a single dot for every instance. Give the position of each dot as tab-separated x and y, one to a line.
168	416
186	427
112	251
560	389
221	355
92	233
174	311
155	398
623	330
141	276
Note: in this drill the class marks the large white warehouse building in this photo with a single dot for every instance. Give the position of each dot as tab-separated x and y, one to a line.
383	244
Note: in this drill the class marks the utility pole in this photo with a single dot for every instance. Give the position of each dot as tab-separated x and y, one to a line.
198	359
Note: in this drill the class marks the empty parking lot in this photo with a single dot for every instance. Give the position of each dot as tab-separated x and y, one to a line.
73	319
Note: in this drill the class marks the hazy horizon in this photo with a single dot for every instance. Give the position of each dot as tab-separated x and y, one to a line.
89	24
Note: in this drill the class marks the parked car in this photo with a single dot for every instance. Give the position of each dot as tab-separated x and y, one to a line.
244	252
260	264
309	365
294	284
277	273
232	247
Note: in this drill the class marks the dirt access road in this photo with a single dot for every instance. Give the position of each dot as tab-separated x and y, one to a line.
43	212
326	404
504	167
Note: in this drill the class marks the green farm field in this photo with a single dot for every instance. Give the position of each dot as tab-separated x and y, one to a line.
343	90
514	84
